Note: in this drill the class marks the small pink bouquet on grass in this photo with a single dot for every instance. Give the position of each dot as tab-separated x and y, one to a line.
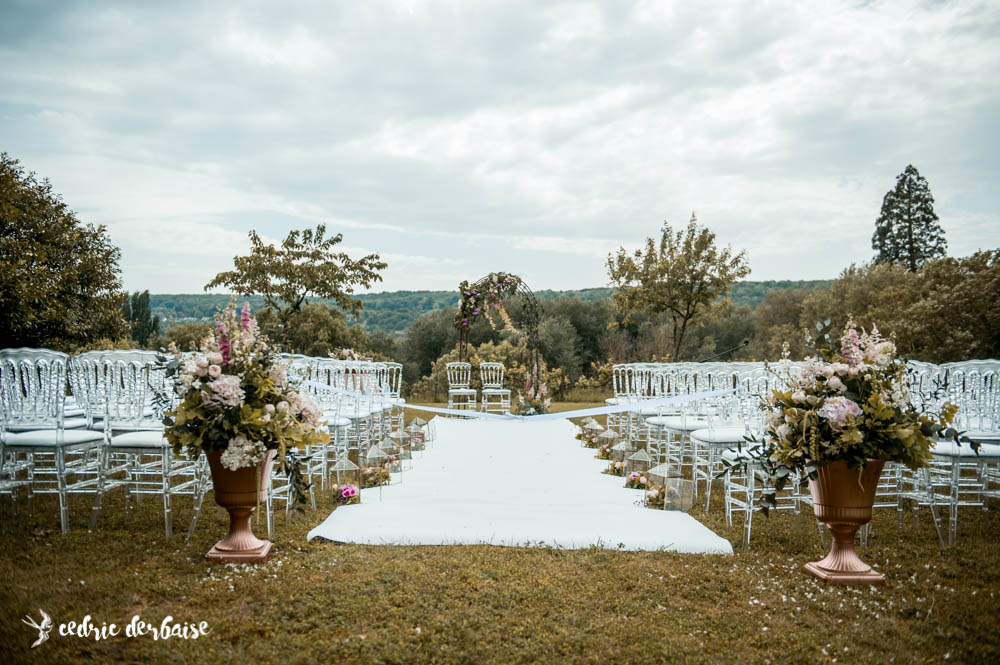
347	494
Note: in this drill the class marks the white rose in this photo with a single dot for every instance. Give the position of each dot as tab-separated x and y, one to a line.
201	362
835	384
784	431
828	371
214	371
799	396
215	358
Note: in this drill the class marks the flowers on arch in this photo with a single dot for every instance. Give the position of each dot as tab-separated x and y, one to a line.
485	298
235	396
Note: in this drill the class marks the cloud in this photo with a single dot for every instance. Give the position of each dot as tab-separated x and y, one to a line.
504	135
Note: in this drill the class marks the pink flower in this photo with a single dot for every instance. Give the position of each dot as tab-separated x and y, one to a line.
214	371
245	316
837	409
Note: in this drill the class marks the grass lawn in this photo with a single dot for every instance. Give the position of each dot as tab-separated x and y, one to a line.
320	603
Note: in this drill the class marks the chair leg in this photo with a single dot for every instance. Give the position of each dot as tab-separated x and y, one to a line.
99	495
199	498
61	482
168	517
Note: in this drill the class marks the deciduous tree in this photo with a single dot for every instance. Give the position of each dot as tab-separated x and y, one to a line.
60	283
304	266
686	275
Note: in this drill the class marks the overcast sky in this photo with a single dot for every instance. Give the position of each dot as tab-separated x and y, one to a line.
460	138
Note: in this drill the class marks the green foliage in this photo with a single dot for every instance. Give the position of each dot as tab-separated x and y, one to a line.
186	336
305	265
136	310
907	229
314	329
685	276
59	278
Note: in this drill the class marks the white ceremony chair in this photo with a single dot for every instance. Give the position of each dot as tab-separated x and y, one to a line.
460	393
494	396
33	425
136	456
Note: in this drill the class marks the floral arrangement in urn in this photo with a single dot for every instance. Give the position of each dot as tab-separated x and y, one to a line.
838	421
849	403
236	398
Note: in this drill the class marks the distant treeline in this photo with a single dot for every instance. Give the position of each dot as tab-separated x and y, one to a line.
394	312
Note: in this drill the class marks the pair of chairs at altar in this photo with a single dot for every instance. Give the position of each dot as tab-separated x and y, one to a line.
461	394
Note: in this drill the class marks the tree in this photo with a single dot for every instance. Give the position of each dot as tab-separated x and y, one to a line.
686	276
187	336
907	229
314	330
136	310
60	283
305	265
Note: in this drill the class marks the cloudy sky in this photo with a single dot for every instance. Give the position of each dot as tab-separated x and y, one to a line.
457	138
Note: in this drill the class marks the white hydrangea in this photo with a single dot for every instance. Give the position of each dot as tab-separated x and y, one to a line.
242	453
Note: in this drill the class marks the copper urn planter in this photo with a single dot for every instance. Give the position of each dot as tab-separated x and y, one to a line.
240	492
844	506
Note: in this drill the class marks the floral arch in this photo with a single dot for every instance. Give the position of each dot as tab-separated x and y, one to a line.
485	297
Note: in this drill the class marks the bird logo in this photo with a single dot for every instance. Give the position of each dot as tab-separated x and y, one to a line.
43	629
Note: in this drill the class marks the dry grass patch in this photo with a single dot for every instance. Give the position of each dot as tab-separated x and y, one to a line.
318	602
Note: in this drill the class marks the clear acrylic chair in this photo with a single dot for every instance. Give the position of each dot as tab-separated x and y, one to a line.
33	433
136	456
461	394
494	396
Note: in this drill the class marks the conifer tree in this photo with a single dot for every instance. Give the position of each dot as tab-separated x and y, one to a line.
907	229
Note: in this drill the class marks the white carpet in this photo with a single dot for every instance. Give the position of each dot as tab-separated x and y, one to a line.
513	483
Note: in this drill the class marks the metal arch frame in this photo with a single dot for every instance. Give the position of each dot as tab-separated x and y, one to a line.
531	307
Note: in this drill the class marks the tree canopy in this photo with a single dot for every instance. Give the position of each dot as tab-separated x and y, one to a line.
685	275
136	310
60	284
907	229
305	266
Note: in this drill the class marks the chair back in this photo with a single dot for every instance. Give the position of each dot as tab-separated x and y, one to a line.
491	374
32	388
459	374
129	392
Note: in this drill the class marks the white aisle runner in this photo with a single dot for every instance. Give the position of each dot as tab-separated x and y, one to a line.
513	483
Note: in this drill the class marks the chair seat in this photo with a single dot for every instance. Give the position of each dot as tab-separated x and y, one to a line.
461	391
68	423
612	401
719	435
140	439
496	391
334	422
678	423
983	435
46	438
949	450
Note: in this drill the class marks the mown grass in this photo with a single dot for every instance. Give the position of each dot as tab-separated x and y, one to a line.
319	602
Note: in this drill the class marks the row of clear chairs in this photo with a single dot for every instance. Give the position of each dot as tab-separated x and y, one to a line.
107	436
461	394
696	437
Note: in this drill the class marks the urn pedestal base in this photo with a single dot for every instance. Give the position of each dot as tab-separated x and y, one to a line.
843	565
240	491
240	546
843	501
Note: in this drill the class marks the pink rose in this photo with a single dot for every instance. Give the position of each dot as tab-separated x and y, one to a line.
214	371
